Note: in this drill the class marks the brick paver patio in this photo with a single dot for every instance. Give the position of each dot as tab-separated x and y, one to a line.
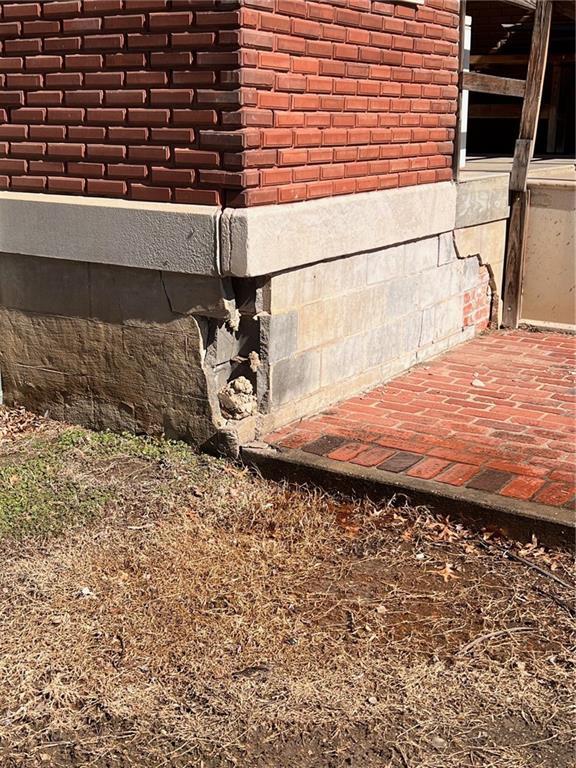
496	414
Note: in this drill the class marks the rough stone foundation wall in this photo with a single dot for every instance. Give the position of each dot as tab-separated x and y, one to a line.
343	325
118	348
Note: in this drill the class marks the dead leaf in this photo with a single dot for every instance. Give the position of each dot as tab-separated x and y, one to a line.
447	573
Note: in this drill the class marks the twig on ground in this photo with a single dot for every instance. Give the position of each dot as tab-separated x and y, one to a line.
403	757
561	603
513	556
490	636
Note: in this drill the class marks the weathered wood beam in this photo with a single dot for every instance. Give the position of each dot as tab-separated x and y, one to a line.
503	86
516	247
523	153
533	95
566	7
515	59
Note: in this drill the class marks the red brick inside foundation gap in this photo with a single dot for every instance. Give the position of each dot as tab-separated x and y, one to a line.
288	100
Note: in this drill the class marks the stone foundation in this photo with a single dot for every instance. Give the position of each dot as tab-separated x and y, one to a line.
343	325
112	347
307	302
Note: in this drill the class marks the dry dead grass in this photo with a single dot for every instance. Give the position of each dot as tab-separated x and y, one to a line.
205	617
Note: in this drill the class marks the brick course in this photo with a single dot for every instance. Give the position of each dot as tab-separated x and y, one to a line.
275	100
346	97
100	97
478	303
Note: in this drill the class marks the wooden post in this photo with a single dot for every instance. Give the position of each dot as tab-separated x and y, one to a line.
523	154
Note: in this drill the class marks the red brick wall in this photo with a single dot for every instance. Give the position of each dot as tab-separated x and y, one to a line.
346	96
117	98
194	101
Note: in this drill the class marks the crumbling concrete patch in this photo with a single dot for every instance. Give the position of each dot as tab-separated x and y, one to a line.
237	399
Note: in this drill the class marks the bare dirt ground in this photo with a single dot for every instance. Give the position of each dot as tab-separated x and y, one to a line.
160	608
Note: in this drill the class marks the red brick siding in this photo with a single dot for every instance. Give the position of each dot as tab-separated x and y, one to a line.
204	101
118	98
348	96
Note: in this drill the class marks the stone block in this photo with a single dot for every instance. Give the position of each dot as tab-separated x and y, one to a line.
441	320
167	236
321	281
382	344
342	316
386	264
481	200
440	284
446	250
343	359
319	323
470	273
198	294
272	238
278	336
421	255
44	286
295	377
409	331
224	347
440	346
124	295
334	278
284	290
402	296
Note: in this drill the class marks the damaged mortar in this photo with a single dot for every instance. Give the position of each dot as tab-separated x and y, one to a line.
233	362
481	307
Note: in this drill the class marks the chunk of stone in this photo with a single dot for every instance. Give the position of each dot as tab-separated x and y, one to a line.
237	399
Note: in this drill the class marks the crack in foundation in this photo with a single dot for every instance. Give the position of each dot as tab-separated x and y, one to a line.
494	295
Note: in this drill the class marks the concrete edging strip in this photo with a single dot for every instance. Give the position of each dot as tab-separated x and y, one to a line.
167	236
554	526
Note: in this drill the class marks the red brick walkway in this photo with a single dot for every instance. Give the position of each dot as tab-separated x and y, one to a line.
497	414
